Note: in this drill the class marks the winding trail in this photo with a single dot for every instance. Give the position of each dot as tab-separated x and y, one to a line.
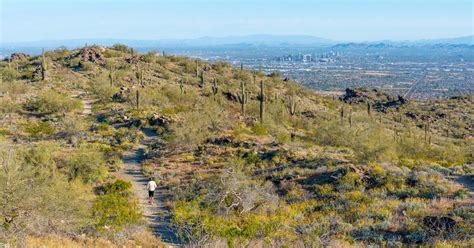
468	182
158	216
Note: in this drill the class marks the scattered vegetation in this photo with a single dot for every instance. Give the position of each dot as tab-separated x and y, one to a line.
249	159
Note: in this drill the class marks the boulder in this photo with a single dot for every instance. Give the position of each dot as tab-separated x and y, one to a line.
230	96
18	56
381	101
92	54
37	73
159	120
133	59
437	223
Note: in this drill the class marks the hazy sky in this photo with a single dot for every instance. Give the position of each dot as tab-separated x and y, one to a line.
356	20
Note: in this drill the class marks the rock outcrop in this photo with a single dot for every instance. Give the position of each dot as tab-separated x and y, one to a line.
92	54
381	101
18	56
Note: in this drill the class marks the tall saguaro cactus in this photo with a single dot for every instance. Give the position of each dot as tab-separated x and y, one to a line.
111	76
342	115
350	118
215	88
139	75
243	97
137	98
202	79
44	66
181	86
261	98
291	105
427	130
241	66
197	68
369	108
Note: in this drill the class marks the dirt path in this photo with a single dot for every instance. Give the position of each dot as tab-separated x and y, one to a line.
87	106
468	182
86	103
158	215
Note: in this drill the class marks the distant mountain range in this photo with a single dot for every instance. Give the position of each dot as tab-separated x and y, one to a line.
249	40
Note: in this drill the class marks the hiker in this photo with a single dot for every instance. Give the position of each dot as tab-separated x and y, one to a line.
151	186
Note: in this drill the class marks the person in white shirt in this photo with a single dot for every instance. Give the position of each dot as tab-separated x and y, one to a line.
151	186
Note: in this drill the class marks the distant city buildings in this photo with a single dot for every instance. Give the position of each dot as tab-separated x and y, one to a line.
308	58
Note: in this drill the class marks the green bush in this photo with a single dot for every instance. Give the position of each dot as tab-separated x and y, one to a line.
116	208
52	102
259	129
38	130
86	163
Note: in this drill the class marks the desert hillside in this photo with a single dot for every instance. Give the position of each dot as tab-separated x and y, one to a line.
242	158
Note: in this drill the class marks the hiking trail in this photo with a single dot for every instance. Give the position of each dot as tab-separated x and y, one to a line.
158	216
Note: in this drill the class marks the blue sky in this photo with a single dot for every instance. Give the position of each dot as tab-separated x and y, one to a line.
347	20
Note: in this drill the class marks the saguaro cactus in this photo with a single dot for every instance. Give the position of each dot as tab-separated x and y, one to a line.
111	76
181	86
139	75
369	109
291	105
241	66
215	88
197	68
44	66
261	98
350	118
243	97
202	79
137	98
427	130
342	115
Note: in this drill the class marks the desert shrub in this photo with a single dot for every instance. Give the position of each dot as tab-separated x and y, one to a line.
220	66
36	198
87	66
51	102
121	47
149	57
71	126
103	90
116	208
259	129
8	105
189	66
163	61
9	74
39	130
232	207
14	89
194	129
86	163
